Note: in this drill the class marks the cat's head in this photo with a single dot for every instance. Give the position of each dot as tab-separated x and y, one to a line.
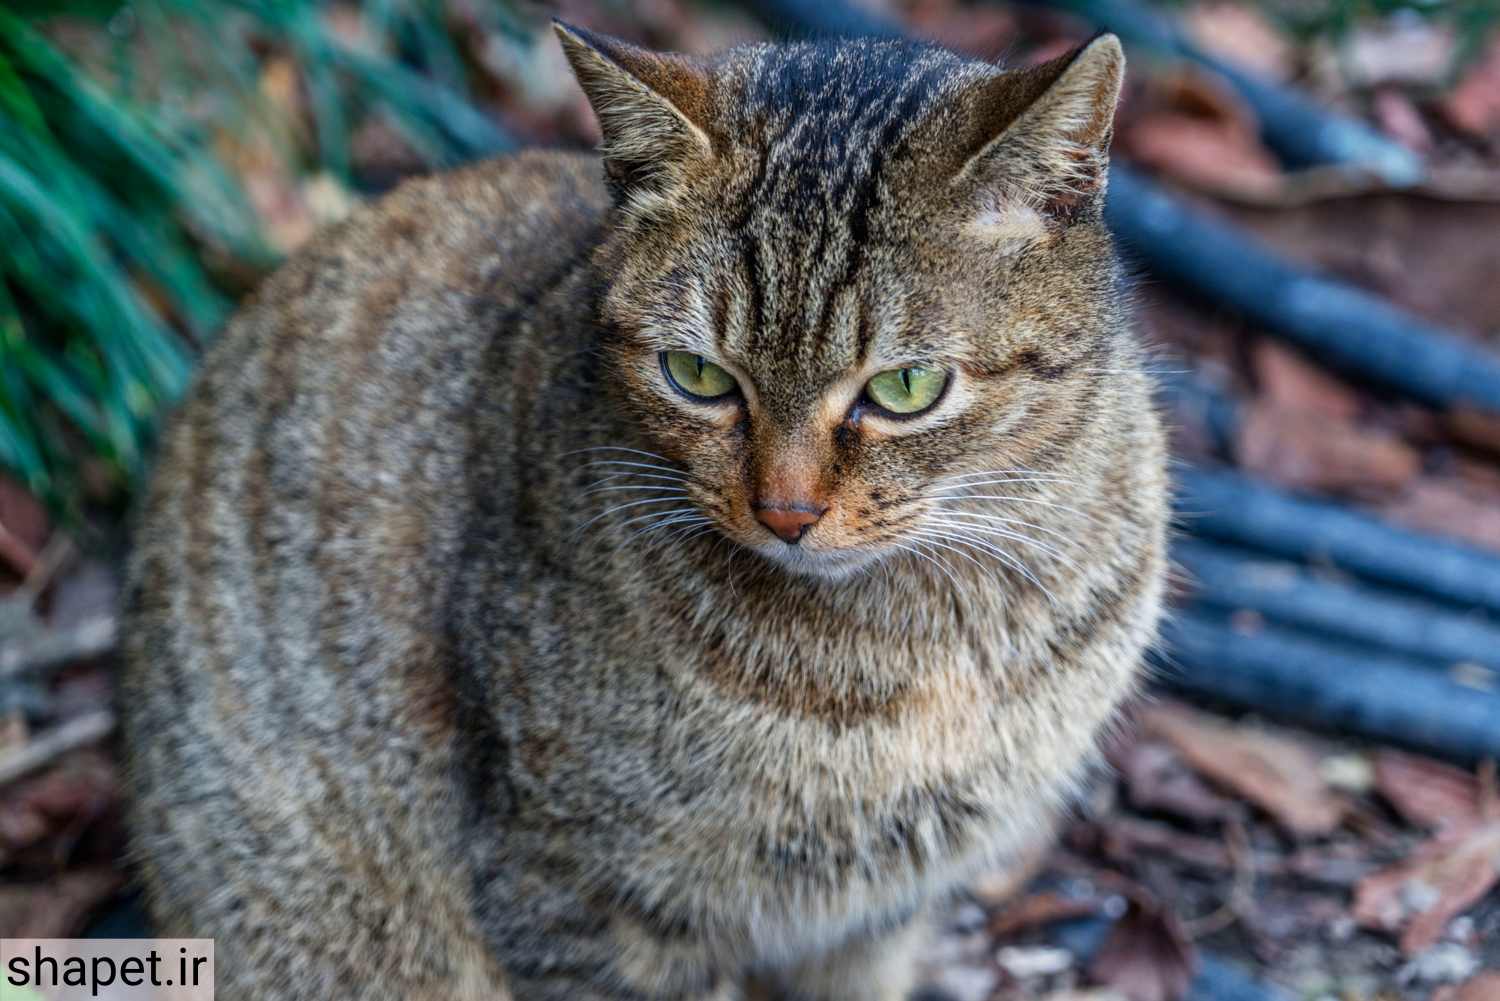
847	277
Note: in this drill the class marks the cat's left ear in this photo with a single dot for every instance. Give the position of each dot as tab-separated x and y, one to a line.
1042	134
652	108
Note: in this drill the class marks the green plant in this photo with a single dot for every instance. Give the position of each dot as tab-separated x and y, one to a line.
1472	21
112	202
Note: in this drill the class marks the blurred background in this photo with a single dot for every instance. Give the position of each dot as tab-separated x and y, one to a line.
1309	194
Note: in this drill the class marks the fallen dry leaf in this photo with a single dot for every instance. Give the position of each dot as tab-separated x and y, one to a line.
1156	779
1427	793
1442	879
1399	118
57	908
1040	909
1484	987
983	29
1241	34
1291	382
1474	105
59	805
1147	956
1452	507
1194	129
1307	452
1205	155
1275	773
1474	428
23	528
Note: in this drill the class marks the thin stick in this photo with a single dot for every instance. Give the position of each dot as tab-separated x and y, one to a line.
70	736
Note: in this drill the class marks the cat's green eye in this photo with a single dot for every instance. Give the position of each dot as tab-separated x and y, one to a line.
695	377
906	390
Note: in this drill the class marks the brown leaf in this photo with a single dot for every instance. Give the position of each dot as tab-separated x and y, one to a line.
1039	909
1484	987
1474	105
51	810
1275	773
1475	428
1195	130
1427	793
1291	382
1147	956
1441	880
1452	507
23	528
57	908
1204	154
1156	779
1399	118
1311	453
978	28
1242	34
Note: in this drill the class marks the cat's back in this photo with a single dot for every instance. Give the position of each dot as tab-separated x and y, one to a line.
316	461
307	505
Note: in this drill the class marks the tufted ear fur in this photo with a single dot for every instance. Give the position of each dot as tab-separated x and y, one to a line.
1037	140
653	109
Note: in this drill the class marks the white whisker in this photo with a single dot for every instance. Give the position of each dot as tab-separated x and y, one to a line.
1061	537
635	465
643	486
1009	559
924	556
618	448
1011	479
639	476
1024	500
669	520
1006	534
622	507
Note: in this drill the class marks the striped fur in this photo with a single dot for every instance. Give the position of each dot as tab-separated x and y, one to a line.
459	666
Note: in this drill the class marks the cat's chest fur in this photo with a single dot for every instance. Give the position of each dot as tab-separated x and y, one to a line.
784	777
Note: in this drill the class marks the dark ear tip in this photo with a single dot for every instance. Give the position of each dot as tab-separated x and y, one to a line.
571	34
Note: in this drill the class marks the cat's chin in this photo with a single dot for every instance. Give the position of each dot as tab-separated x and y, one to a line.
823	564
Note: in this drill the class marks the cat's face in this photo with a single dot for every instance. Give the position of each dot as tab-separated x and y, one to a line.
846	287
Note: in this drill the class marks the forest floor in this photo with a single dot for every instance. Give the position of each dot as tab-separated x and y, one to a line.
1327	867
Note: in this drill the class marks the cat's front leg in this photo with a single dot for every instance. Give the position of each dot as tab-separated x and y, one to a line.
590	988
881	967
577	951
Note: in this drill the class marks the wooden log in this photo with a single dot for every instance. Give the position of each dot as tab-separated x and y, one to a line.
1384	697
810	19
1302	132
1229	580
1230	507
1348	329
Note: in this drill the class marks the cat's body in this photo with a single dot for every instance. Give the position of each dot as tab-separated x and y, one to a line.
417	708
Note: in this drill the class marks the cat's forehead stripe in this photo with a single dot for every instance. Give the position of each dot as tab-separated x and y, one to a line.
825	118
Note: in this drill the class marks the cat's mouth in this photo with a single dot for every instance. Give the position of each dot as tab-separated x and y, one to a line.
827	564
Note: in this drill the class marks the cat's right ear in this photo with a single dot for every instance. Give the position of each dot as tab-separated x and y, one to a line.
1043	133
653	108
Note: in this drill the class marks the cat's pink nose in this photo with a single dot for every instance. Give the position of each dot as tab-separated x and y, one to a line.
789	521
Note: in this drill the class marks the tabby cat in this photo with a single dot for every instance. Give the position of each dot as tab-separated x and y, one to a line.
630	584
